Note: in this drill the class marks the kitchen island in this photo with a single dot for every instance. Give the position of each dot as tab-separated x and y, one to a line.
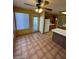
59	36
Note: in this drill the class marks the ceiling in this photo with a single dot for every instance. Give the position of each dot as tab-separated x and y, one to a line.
56	5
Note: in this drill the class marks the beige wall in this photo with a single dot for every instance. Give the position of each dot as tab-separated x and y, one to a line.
31	15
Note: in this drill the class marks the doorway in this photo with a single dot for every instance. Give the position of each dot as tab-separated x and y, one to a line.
35	24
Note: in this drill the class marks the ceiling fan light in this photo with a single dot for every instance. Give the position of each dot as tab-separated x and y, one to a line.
40	10
36	10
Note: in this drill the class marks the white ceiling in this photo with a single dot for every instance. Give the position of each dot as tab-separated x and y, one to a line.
56	5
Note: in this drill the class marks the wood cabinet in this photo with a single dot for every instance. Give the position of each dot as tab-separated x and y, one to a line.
59	39
52	27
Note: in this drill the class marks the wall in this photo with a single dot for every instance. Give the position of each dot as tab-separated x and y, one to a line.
14	26
31	14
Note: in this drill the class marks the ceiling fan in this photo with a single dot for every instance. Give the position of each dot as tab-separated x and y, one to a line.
40	5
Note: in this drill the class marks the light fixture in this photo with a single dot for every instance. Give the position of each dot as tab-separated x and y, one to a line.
63	12
36	10
39	10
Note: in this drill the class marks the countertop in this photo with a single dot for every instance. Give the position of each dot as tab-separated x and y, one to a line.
59	31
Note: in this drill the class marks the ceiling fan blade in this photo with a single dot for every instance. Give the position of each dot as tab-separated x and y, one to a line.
39	1
29	4
48	9
46	2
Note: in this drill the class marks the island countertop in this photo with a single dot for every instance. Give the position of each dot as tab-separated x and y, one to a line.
59	31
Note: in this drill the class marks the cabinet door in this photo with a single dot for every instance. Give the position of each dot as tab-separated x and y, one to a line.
59	39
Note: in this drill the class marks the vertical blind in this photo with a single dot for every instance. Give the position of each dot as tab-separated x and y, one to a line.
22	21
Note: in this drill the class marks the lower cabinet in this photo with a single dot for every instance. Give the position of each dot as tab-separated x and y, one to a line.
59	39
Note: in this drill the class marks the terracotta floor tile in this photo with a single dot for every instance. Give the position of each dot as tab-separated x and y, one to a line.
38	46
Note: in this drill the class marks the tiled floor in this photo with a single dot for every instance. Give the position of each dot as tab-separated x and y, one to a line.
38	46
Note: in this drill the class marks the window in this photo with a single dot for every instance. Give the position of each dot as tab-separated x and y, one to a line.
22	21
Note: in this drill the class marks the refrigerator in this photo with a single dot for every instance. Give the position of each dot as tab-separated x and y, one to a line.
44	24
47	23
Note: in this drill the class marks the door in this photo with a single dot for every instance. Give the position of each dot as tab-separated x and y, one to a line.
35	24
